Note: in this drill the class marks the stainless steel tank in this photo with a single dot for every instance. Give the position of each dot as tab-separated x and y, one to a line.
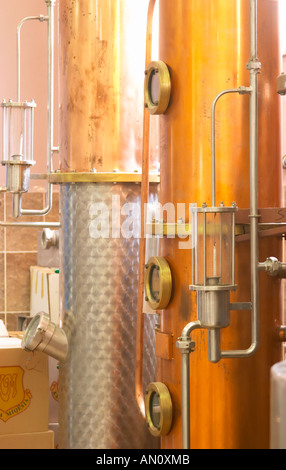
97	403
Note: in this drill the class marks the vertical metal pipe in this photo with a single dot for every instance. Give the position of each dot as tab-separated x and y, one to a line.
213	151
186	399
253	29
220	249
9	132
254	69
194	243
204	249
193	256
233	250
50	92
214	345
50	105
16	204
4	119
18	63
184	344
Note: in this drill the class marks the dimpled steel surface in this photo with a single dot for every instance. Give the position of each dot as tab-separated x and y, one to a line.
99	284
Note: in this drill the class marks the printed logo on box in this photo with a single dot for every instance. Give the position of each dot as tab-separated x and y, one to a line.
55	390
13	398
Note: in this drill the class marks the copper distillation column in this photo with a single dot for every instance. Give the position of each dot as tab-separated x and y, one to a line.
101	114
206	51
101	122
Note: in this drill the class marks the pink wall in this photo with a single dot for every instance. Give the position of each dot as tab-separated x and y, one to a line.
33	70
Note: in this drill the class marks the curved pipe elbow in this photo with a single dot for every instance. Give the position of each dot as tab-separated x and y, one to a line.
252	349
190	327
241	353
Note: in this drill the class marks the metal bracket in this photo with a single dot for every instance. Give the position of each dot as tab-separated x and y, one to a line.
273	267
281	84
253	64
186	345
240	306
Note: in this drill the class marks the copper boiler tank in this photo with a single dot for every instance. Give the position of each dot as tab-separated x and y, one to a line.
102	53
205	45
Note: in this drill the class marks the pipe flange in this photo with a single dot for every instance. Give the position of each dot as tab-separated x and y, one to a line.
253	64
158	282
44	335
281	84
157	87
49	238
159	409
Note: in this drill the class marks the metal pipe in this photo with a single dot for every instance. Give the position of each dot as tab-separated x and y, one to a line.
30	224
185	344
254	174
186	399
273	267
16	204
24	20
241	90
254	68
50	120
17	197
204	248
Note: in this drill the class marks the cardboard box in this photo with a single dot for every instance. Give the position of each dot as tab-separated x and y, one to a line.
39	299
35	440
24	389
54	296
54	390
44	292
55	428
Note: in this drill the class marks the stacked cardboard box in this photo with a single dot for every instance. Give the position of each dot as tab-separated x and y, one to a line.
24	397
